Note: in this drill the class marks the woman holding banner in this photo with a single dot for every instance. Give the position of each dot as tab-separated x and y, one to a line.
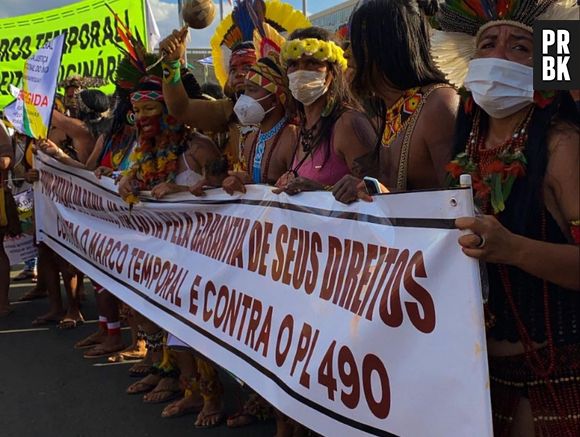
333	131
521	149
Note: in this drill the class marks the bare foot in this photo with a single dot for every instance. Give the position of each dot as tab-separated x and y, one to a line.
187	405
92	340
167	390
212	414
255	408
144	385
51	317
143	367
111	345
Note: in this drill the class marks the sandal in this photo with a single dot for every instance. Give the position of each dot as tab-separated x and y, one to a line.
69	323
43	321
91	341
181	407
145	385
142	368
203	419
167	390
256	408
101	350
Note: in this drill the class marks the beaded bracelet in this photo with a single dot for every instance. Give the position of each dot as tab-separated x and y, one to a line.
171	72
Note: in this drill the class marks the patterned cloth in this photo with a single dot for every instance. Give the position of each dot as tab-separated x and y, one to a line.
268	74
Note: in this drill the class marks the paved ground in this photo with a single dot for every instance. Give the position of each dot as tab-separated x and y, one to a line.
48	389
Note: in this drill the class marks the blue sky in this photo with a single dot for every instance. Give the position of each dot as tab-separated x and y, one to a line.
165	12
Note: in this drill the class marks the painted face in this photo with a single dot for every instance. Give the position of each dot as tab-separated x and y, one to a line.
237	74
148	116
506	42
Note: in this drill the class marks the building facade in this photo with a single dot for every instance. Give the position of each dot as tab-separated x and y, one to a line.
332	18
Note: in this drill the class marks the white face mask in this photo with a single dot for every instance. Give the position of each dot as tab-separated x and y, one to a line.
307	86
499	87
249	110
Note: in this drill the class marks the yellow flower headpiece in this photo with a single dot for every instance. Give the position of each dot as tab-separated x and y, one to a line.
325	51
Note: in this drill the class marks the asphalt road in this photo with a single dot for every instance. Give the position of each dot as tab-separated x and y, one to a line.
48	389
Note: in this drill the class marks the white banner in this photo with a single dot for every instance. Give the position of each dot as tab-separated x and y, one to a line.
353	320
31	112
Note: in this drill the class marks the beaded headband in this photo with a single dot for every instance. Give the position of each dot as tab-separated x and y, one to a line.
146	96
325	51
243	56
463	22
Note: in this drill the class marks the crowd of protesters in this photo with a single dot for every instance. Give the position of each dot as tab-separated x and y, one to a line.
416	94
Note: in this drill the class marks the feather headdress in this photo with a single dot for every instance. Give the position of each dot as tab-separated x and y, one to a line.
269	19
138	64
463	21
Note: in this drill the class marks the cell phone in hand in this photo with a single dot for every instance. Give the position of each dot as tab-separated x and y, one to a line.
372	185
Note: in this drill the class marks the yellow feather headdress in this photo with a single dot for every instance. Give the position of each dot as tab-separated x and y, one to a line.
261	22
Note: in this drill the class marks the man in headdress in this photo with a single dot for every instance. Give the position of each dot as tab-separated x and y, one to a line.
265	103
521	149
233	54
208	116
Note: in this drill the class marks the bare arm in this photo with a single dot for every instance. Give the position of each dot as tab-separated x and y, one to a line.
92	162
437	128
200	114
354	138
51	149
83	140
556	263
206	153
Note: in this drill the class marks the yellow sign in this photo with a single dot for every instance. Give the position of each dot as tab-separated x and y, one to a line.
89	47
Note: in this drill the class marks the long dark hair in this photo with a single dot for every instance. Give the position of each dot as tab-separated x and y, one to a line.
115	137
390	39
525	204
339	91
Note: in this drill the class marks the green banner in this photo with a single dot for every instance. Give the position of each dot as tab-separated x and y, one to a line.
89	48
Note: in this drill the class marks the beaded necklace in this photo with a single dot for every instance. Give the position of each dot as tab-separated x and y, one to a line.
399	113
259	147
492	170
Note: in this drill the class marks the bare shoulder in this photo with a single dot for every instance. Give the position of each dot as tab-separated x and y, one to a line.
441	101
350	118
290	132
564	137
199	143
354	127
